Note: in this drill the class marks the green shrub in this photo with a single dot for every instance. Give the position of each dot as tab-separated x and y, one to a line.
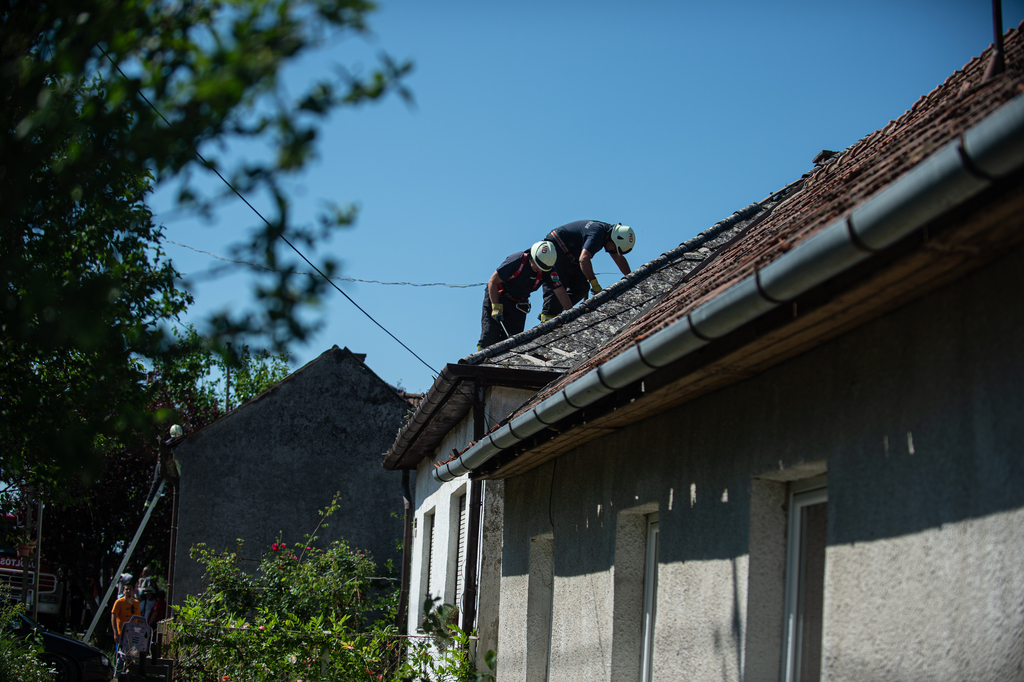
443	655
19	658
307	615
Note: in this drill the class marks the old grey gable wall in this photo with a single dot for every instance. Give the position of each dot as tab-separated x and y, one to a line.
263	472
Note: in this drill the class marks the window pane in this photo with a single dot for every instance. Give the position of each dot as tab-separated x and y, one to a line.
805	582
650	597
812	590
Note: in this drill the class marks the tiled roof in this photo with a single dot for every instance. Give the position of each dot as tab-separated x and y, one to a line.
572	337
782	221
662	292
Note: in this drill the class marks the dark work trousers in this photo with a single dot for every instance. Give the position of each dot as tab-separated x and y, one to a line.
573	280
514	319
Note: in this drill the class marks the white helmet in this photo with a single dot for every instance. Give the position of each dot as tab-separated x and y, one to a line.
543	254
623	237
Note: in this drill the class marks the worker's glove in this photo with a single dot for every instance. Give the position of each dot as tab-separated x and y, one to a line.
594	286
545	318
497	312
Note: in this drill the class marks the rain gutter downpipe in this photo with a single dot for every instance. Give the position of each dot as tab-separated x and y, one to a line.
990	150
403	593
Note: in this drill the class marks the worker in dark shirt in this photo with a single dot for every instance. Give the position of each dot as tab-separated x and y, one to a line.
507	299
577	243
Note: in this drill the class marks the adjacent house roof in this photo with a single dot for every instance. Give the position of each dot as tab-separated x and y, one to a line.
911	206
335	352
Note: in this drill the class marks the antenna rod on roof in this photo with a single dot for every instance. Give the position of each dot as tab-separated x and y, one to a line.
998	63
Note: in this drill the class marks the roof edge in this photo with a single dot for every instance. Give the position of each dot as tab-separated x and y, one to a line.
990	150
341	352
446	383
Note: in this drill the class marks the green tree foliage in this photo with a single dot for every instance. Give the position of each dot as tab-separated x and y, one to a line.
212	376
100	101
88	528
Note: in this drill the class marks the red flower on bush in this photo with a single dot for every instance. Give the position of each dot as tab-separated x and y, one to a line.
274	547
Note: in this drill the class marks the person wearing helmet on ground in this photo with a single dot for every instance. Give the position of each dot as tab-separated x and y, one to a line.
507	298
577	243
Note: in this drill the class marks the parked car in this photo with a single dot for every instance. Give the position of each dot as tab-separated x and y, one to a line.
74	661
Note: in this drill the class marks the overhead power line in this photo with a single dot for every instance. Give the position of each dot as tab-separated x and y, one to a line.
334	277
260	216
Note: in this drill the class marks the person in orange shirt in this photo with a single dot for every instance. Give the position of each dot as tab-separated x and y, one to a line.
124	608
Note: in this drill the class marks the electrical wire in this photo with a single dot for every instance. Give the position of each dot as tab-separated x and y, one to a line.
210	166
340	279
450	285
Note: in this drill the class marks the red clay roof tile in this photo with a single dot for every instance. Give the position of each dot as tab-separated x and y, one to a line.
833	189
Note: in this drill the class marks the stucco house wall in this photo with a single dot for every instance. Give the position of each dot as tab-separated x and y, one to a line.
917	418
440	500
262	472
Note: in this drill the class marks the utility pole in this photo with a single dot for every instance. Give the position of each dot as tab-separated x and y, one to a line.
38	567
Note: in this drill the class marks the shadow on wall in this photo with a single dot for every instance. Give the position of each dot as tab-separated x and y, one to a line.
919	420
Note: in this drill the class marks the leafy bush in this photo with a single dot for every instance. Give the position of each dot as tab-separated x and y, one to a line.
305	614
309	615
443	655
19	658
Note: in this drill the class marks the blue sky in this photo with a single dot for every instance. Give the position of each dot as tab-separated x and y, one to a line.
665	116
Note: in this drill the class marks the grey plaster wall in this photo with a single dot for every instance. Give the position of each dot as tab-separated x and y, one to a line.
918	418
489	596
263	472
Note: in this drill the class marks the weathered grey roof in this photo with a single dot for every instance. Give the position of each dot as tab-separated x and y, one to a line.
332	352
574	335
669	287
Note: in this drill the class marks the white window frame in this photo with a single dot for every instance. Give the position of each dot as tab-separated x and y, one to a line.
430	529
650	598
455	550
802	494
460	510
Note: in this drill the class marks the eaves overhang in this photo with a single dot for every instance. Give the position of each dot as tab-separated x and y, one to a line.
983	159
448	401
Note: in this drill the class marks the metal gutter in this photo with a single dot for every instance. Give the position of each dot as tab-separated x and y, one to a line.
436	401
990	150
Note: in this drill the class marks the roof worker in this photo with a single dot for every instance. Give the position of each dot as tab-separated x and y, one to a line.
507	299
577	244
